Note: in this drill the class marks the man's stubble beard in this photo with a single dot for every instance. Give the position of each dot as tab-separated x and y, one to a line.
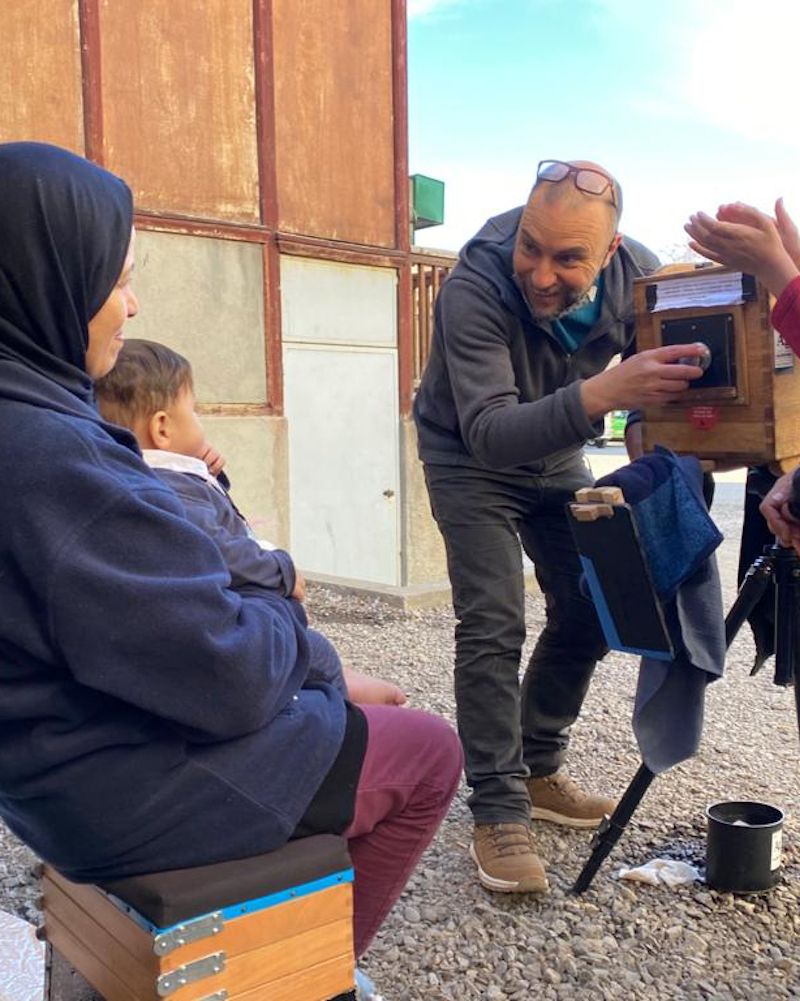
581	300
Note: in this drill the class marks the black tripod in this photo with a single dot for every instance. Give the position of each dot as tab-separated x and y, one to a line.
777	565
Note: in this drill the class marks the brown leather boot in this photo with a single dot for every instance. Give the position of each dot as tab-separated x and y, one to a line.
558	799
506	860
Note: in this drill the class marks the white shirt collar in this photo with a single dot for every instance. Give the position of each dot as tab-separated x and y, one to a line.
156	458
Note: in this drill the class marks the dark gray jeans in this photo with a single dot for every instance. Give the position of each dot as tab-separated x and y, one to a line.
508	732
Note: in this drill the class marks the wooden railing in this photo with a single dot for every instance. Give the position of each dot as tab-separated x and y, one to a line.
428	270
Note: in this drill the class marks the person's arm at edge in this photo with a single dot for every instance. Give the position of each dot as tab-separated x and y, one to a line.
786	314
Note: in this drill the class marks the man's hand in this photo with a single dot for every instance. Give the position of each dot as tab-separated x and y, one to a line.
649	378
775	509
213	458
299	591
743	238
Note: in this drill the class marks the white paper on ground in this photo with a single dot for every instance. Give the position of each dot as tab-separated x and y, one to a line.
661	872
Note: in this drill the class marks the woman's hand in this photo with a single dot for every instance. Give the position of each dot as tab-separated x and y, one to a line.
743	238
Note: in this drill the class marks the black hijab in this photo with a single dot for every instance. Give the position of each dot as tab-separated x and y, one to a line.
65	228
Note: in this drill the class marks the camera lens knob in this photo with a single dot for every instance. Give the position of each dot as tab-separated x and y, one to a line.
702	359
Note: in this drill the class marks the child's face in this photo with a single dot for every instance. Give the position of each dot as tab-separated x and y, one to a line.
186	434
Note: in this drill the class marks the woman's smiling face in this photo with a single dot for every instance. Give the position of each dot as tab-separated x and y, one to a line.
105	327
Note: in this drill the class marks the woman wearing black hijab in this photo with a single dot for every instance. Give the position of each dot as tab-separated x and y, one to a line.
150	717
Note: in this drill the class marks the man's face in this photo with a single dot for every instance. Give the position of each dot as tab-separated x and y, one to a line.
561	247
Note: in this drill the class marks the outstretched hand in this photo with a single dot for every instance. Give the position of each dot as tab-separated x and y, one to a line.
748	240
649	378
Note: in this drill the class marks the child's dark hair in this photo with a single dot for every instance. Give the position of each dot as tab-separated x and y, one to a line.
148	377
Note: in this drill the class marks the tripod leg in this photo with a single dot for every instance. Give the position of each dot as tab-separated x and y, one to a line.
753	587
609	831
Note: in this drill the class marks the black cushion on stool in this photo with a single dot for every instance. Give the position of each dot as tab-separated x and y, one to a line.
166	898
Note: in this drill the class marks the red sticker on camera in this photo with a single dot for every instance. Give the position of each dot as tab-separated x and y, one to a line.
703	418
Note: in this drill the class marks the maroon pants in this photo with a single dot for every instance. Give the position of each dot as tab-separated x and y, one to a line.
410	774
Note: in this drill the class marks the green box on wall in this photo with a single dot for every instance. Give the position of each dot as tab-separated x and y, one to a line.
427	201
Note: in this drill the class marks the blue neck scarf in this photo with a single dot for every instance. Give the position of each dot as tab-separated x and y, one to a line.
573	328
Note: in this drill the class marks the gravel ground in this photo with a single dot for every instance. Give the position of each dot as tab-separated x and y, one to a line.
450	939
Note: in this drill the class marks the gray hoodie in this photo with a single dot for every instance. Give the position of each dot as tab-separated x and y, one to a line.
500	391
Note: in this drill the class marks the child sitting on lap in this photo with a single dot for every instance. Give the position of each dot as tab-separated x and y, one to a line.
150	391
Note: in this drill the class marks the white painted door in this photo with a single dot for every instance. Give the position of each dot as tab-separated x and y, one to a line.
341	401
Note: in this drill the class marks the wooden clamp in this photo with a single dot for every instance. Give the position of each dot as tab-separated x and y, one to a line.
595	502
600	495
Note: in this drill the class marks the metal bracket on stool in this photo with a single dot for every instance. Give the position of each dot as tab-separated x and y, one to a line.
190	931
168	983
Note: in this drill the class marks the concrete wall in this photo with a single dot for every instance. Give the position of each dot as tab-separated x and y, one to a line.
204	298
257	454
424	561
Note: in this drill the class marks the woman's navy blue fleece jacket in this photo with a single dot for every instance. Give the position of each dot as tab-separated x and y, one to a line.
150	717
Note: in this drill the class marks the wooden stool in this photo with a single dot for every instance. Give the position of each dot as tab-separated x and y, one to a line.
277	926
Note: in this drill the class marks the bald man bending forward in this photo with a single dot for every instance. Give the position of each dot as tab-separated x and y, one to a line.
538	304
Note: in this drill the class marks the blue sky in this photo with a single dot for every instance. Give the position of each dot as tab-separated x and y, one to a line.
689	102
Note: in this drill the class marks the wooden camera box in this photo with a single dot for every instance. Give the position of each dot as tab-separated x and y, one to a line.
745	410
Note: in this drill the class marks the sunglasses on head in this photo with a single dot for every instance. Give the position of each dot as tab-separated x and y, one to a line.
586	179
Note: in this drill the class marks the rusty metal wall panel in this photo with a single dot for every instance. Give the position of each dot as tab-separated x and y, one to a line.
40	72
179	116
333	119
